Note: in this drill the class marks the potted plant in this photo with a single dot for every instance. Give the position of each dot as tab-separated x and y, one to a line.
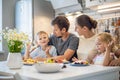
15	41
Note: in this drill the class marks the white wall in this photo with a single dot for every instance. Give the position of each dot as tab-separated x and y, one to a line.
8	19
42	16
0	24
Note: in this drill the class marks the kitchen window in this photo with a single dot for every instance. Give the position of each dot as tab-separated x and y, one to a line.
24	17
0	24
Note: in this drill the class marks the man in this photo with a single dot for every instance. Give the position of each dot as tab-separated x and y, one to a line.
116	62
65	42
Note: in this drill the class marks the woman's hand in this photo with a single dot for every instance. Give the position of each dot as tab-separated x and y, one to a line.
74	59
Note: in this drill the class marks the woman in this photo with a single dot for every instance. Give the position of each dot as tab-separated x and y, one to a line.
84	27
86	50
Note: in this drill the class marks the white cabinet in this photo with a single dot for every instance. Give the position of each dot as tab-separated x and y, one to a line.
93	3
66	6
63	3
109	1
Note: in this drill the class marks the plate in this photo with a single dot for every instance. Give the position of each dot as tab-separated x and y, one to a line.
66	62
79	64
29	64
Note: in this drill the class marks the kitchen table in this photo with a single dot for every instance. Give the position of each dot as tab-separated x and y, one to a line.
92	72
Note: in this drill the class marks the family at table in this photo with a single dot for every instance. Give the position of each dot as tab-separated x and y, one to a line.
94	48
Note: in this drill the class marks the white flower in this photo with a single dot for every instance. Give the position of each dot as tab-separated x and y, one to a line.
14	39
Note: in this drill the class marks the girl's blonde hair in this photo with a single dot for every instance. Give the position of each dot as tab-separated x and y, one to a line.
105	37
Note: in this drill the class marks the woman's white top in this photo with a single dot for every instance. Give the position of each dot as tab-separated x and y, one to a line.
85	46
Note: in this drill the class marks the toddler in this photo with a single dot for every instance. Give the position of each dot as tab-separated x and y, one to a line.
43	50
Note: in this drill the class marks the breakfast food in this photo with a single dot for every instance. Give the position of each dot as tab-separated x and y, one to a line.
65	61
49	61
84	62
29	61
62	61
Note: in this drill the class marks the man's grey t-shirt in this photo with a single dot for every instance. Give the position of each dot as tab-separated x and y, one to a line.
72	43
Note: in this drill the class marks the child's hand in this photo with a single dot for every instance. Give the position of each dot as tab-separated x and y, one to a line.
47	50
28	45
74	59
109	46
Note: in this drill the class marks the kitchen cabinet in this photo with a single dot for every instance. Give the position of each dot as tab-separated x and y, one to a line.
109	1
93	3
63	3
66	6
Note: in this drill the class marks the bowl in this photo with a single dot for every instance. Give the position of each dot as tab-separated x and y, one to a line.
48	67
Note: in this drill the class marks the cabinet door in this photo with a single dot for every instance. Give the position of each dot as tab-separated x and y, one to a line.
93	3
109	1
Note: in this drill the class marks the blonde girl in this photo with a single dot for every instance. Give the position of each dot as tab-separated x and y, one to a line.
105	49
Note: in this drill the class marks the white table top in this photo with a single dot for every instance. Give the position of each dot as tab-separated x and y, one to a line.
69	73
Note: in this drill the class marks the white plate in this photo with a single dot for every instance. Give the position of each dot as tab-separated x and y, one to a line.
48	67
79	64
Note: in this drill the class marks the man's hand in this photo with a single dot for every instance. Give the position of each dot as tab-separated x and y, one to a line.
115	62
75	59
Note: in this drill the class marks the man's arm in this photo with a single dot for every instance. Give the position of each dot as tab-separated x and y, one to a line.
117	53
116	62
67	55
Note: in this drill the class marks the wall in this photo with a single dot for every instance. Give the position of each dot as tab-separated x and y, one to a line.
42	15
8	18
0	24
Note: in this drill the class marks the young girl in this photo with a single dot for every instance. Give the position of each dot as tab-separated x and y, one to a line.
104	50
43	50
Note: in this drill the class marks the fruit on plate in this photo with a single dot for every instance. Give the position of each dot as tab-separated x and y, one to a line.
29	61
84	62
65	61
59	61
49	61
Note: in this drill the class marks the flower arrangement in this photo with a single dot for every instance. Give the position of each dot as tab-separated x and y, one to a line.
14	39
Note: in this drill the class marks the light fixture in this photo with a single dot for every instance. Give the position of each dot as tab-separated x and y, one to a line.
109	9
109	5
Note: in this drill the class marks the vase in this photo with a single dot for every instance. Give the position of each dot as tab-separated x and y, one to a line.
14	60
